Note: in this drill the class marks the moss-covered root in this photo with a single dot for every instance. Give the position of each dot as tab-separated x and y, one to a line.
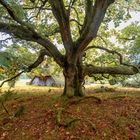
65	124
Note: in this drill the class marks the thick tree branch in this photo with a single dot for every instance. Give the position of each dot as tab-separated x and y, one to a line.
54	52
14	15
88	16
62	16
126	69
26	34
39	60
93	18
122	70
16	30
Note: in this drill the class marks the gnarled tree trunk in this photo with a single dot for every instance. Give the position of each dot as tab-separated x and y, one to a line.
74	81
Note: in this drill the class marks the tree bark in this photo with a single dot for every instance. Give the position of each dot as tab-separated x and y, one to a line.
74	81
120	70
73	68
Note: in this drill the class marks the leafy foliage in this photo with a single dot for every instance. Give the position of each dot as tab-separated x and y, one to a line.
14	59
66	29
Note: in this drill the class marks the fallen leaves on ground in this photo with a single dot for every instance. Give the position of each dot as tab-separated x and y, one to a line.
112	119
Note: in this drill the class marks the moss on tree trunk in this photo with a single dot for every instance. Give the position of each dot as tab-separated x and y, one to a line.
74	81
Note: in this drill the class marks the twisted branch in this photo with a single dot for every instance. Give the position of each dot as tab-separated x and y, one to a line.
113	52
39	60
10	79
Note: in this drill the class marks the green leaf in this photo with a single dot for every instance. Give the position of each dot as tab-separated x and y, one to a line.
4	59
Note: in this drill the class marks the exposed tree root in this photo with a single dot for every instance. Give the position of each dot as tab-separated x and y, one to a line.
98	100
117	97
93	97
69	123
65	124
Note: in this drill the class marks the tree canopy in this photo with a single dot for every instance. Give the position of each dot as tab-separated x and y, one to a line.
76	27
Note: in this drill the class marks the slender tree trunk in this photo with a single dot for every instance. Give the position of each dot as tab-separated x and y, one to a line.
74	81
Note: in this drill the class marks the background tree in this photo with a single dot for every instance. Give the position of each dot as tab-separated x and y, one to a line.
14	58
130	38
72	23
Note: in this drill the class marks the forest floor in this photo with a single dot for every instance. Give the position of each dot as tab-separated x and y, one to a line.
42	114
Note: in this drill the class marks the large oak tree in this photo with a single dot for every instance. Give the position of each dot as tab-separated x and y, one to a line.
75	23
